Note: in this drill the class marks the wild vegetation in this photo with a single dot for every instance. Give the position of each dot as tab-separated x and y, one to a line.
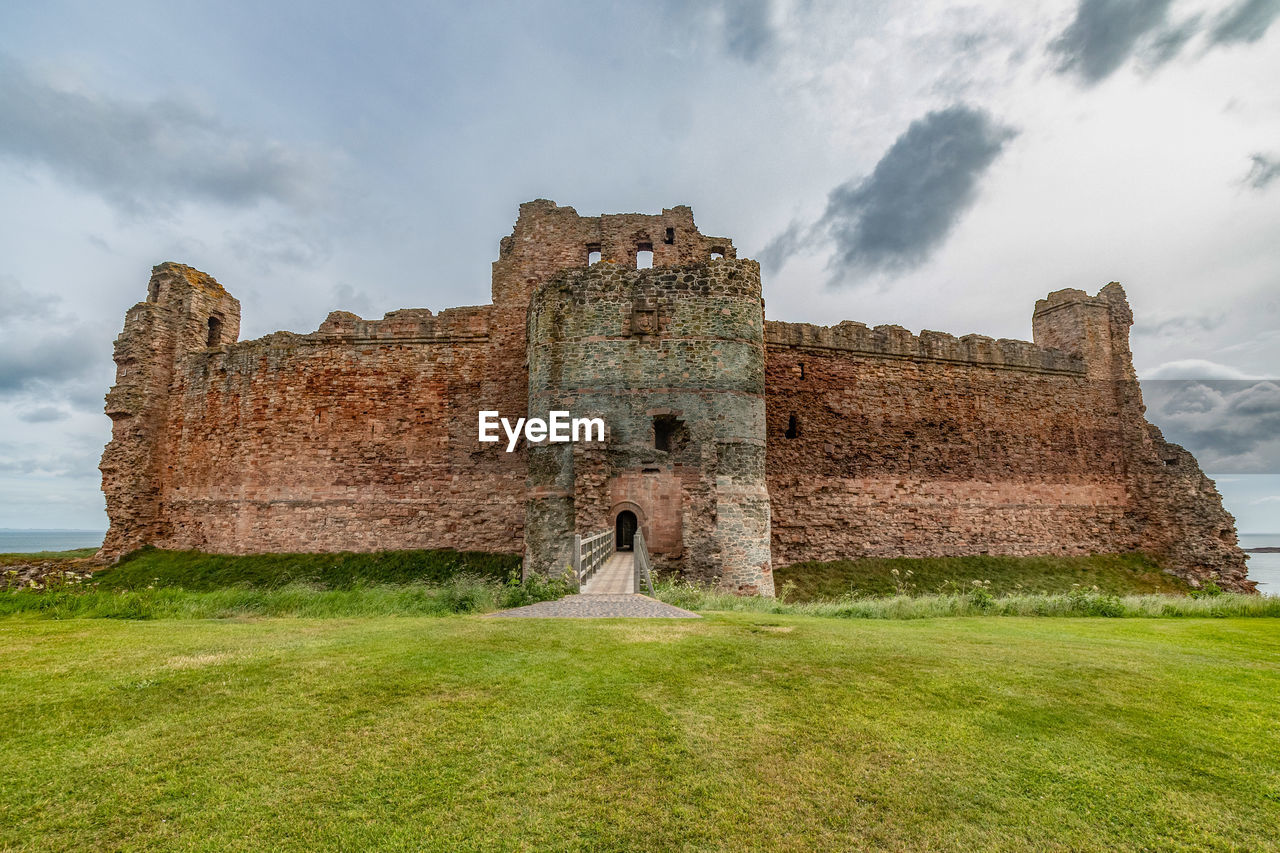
155	584
1114	574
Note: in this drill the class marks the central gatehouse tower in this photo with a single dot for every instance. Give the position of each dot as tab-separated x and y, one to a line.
672	359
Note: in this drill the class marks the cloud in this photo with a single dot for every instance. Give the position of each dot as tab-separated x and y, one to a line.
143	157
897	216
38	344
276	245
1244	23
27	362
27	458
347	298
1231	426
744	29
1195	368
43	415
1105	33
748	30
21	304
1168	42
1180	328
1264	170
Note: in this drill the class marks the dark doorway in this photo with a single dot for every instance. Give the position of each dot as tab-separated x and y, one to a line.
625	533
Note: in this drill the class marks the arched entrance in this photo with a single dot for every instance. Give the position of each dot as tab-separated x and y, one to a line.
625	530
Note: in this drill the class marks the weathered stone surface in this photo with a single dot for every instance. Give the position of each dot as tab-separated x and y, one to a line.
692	366
736	443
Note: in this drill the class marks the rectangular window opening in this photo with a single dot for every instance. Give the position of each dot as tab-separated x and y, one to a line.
215	331
671	236
593	254
669	433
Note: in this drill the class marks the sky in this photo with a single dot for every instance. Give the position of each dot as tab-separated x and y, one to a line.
935	165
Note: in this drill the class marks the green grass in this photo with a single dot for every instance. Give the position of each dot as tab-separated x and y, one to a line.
198	571
469	594
737	731
39	556
155	584
1115	574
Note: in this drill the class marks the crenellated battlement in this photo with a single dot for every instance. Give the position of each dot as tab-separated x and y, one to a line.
890	341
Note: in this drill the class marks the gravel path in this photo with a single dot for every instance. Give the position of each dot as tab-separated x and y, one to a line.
599	607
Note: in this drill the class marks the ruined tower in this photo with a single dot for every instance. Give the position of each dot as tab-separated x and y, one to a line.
185	311
672	359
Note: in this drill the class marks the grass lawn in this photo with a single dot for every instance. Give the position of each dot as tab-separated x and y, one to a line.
36	556
1115	574
737	731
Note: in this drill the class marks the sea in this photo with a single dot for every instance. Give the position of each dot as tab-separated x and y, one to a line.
26	541
1263	568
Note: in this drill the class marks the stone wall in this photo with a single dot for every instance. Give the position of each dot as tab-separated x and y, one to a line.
672	359
882	443
362	435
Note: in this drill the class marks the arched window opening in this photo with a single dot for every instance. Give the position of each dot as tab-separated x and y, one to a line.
717	253
793	428
215	331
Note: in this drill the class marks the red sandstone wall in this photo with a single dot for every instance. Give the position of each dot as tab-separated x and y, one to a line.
359	437
937	446
362	435
898	456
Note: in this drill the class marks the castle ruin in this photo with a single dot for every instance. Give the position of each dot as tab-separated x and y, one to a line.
734	443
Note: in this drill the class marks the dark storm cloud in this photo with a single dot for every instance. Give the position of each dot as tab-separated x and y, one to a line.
1105	33
1167	43
896	217
39	345
1245	23
748	30
743	29
1232	426
1263	171
143	156
51	358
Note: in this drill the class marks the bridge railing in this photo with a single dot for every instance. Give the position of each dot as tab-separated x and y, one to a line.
590	553
644	568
